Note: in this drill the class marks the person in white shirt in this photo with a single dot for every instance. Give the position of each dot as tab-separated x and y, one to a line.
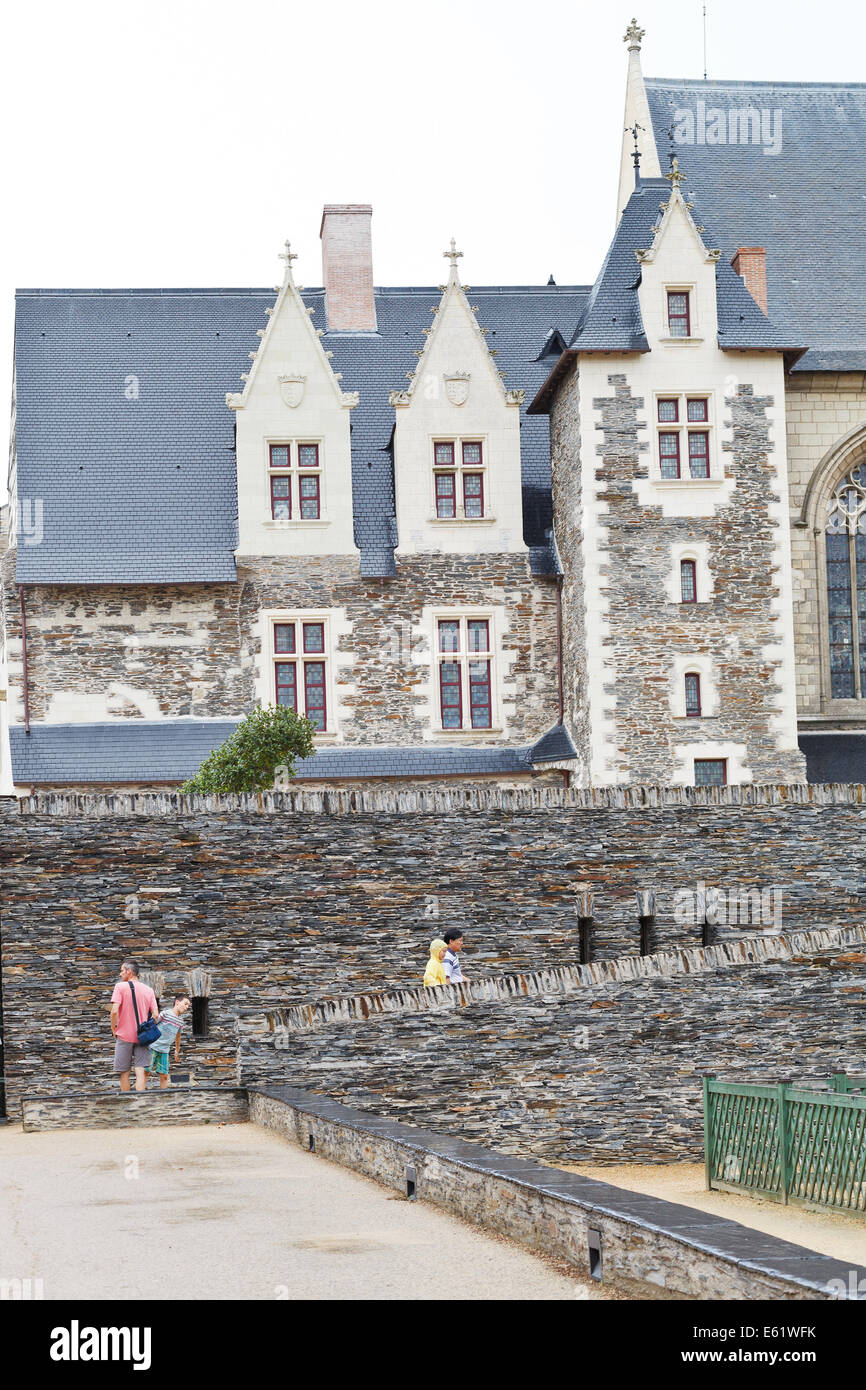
453	939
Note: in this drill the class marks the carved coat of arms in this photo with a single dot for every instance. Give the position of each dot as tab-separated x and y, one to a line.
457	387
292	390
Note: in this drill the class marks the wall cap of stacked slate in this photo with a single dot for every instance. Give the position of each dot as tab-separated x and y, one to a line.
418	999
438	800
176	1105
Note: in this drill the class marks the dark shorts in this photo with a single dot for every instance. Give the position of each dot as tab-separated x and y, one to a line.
128	1055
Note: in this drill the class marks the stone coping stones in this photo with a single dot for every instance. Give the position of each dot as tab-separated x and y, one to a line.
646	1242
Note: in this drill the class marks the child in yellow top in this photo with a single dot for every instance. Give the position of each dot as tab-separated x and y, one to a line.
435	972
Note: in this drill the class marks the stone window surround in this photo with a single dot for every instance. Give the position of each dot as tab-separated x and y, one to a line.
294	471
698	552
682	426
464	615
839	460
680	287
694	665
734	754
298	616
458	468
462	659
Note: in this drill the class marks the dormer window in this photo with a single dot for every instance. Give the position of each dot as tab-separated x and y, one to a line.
458	474
679	316
295	481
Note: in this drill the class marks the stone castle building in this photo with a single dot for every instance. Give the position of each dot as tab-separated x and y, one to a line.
602	534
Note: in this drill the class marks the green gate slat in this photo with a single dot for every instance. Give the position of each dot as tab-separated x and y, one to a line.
789	1143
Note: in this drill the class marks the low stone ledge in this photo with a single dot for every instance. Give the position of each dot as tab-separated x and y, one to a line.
197	1105
437	800
418	999
648	1247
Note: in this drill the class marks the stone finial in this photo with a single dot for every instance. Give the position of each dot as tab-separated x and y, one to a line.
676	175
453	256
288	256
633	36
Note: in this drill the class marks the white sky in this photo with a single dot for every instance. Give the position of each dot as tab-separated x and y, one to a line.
181	143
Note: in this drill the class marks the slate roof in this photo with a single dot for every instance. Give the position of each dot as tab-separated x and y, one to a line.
806	204
172	750
612	320
144	490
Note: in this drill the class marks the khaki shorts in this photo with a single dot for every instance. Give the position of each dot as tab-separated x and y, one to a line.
128	1055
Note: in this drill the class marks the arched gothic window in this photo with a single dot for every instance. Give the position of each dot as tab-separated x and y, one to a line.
846	585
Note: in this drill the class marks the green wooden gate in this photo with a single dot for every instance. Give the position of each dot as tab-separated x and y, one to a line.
788	1144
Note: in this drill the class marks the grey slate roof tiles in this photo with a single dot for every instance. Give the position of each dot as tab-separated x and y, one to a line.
806	204
143	489
171	750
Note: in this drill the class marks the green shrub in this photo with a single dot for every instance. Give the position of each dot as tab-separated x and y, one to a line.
265	743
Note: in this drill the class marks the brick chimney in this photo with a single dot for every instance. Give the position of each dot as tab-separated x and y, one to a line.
751	263
347	267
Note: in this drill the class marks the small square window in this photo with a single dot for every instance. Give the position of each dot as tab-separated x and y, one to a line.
669	411
308	455
471	453
284	637
711	772
279	456
697	410
449	637
314	637
444	455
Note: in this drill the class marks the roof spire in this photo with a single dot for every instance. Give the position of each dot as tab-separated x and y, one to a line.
453	256
633	36
635	154
288	256
676	175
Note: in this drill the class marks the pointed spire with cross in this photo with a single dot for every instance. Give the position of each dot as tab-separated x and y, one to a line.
453	256
288	256
633	36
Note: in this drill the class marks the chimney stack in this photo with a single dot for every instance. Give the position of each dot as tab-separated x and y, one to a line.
751	263
347	267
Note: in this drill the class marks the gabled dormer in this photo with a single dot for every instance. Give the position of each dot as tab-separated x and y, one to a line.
293	439
456	444
677	284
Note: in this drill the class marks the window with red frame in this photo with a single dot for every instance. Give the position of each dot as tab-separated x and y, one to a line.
711	772
699	454
669	453
295	482
468	496
693	696
679	317
305	643
465	673
688	581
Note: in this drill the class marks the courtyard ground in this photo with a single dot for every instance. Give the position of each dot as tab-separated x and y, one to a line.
235	1212
830	1233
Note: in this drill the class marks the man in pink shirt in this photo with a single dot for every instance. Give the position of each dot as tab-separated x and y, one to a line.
128	1051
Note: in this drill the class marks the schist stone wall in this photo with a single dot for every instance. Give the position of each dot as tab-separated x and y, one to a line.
291	897
196	650
580	1071
619	596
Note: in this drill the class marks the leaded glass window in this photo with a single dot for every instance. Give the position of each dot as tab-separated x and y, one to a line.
846	585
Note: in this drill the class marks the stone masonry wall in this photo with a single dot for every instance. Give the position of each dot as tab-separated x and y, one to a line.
565	472
609	1073
289	898
734	628
173	652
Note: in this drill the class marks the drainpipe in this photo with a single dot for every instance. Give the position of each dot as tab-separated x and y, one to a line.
24	662
566	775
